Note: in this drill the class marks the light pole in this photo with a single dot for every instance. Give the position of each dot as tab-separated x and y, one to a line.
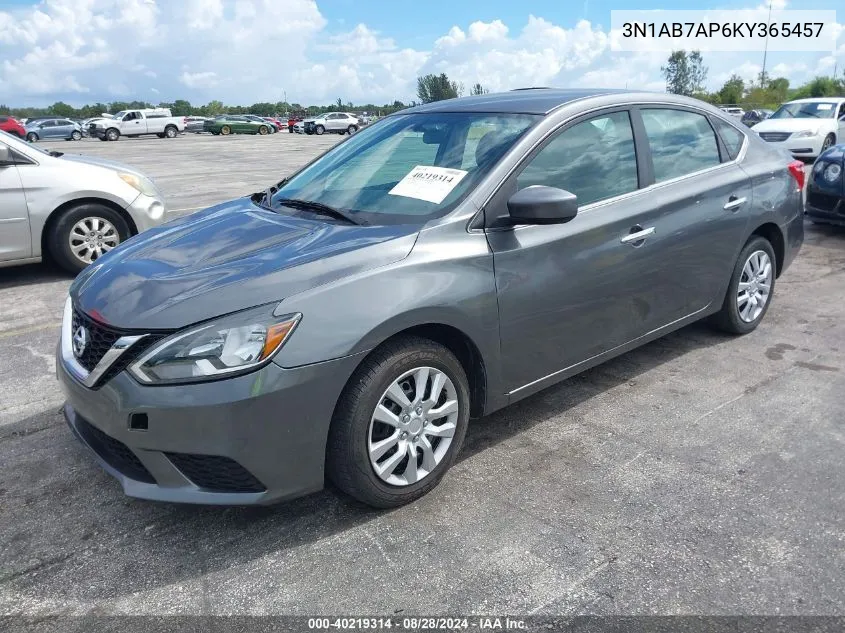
766	47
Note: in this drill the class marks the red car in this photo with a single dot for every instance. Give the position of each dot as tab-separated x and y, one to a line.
293	121
276	123
11	125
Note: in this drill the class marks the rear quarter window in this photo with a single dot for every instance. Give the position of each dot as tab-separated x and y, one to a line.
731	137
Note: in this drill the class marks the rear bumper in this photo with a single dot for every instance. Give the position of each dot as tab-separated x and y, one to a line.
253	439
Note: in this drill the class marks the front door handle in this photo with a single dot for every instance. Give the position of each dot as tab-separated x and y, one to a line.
734	203
637	236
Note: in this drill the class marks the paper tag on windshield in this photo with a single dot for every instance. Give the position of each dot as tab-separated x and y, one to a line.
432	184
824	106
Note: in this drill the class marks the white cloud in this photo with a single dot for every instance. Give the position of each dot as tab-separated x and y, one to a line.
243	51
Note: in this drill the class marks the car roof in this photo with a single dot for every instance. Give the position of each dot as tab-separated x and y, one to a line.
522	100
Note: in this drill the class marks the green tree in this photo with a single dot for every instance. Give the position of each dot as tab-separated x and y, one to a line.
819	87
685	74
478	89
732	91
436	88
62	109
181	107
778	89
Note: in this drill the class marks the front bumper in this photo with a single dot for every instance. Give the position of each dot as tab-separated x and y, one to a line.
147	211
806	147
252	439
824	206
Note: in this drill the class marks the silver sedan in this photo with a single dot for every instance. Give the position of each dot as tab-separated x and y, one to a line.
72	208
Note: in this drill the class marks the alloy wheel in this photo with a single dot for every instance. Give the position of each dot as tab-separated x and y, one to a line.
91	238
412	426
754	288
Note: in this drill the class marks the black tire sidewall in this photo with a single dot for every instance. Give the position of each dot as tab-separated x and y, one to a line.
32	137
57	239
170	132
730	311
362	395
76	136
319	130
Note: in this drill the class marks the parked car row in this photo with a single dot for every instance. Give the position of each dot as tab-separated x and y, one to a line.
330	122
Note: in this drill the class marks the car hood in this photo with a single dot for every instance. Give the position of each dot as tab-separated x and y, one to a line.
790	125
229	257
100	162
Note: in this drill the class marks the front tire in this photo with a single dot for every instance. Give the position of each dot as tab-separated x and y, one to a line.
76	136
829	141
263	131
85	233
32	137
751	288
319	130
399	423
112	134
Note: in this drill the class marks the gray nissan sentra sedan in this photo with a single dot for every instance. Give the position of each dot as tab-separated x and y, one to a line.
438	265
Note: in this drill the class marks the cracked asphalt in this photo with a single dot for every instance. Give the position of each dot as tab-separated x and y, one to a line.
700	474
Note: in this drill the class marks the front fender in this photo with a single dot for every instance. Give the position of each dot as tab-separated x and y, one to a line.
448	279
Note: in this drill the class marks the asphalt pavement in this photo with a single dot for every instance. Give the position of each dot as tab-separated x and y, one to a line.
700	474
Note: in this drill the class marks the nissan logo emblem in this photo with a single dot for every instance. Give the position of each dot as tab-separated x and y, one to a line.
80	341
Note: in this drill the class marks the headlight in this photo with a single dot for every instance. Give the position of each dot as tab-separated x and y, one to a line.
832	172
234	344
804	133
143	185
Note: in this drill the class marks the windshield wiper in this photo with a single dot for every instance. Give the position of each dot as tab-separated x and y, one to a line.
318	207
56	154
263	198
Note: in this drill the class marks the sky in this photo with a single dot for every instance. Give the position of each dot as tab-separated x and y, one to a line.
363	51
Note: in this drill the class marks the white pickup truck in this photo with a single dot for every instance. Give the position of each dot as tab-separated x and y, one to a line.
158	121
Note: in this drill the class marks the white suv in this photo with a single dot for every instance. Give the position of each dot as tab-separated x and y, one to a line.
805	127
340	122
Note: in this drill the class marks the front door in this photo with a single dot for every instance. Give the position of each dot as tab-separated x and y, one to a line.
571	291
15	240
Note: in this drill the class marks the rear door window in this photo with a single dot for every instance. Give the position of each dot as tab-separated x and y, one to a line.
681	142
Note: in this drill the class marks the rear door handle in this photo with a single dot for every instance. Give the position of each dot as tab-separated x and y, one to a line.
639	236
734	203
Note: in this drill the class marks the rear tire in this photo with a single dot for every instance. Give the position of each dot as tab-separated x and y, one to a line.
170	132
354	433
736	316
64	229
351	129
225	130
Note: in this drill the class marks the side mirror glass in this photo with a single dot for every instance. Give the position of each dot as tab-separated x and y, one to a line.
538	204
6	156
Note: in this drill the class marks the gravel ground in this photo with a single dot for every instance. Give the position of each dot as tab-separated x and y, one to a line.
700	474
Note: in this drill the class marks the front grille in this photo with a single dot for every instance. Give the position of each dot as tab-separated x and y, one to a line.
822	201
775	137
114	452
101	338
215	473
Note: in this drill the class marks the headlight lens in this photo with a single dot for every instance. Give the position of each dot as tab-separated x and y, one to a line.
144	185
233	344
803	134
832	172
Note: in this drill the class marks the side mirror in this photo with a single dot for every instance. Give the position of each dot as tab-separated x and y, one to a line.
5	156
542	205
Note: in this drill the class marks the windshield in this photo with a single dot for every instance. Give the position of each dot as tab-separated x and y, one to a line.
407	168
807	110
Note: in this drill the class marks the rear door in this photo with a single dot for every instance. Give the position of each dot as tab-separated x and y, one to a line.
47	129
702	198
15	241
